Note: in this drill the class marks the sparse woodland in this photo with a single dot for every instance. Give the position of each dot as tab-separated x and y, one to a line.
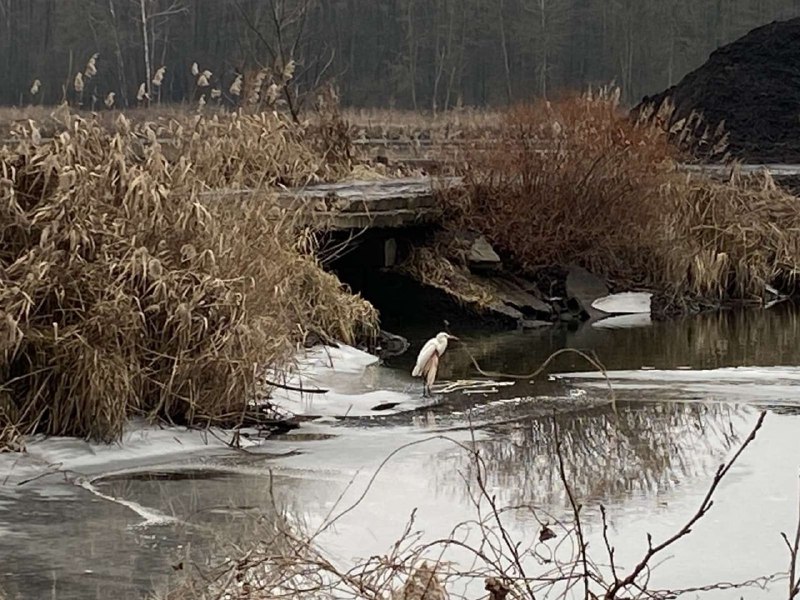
430	55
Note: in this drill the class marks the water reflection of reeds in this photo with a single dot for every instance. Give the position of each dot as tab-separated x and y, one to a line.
643	449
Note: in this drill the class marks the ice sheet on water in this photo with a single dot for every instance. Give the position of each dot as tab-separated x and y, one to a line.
354	385
740	384
140	445
624	303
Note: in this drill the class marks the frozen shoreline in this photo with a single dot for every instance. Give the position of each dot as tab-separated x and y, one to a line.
355	385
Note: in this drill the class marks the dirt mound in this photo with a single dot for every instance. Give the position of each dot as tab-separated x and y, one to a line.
753	85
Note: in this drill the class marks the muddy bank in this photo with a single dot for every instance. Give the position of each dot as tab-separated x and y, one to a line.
459	282
752	86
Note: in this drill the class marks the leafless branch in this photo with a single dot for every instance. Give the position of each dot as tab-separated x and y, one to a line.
705	506
794	547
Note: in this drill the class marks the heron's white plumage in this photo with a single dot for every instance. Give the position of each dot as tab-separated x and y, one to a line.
433	347
424	356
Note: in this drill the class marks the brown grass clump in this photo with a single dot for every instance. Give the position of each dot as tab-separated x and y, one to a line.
571	182
578	182
731	240
124	292
439	268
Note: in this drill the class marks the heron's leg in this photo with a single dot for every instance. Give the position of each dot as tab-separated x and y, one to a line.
430	372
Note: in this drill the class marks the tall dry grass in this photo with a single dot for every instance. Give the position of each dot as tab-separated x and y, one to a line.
126	291
569	182
578	182
723	241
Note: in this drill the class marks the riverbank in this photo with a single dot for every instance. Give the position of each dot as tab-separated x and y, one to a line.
119	260
127	293
576	184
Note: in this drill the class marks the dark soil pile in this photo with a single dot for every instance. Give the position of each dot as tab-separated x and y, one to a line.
753	85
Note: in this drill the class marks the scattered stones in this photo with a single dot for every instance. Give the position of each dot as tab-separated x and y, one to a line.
481	255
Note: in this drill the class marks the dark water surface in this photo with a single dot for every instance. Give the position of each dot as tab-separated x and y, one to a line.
686	393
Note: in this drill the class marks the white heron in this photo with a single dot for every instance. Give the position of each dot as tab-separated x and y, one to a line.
428	360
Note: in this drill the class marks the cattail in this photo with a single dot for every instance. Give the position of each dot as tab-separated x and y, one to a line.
236	86
195	69
109	101
288	70
216	93
78	83
158	78
259	82
142	93
35	87
273	91
91	66
36	135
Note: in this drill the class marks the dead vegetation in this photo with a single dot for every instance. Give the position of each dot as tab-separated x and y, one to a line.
437	268
578	182
124	290
731	240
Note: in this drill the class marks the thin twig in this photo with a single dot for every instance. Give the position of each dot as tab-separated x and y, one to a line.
705	506
794	581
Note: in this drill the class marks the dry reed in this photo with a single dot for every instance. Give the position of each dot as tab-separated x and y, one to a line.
434	269
124	290
578	182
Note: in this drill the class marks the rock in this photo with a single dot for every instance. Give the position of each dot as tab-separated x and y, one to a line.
500	308
626	303
518	294
481	254
584	288
390	344
534	324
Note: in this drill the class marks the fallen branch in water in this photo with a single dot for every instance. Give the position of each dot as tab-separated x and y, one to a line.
592	360
292	388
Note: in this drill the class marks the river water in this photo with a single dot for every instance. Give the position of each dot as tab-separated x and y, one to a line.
83	521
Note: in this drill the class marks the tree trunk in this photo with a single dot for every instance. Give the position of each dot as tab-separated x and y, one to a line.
504	44
146	41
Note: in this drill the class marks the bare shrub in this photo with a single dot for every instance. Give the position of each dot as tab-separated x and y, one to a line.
123	290
571	182
578	182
